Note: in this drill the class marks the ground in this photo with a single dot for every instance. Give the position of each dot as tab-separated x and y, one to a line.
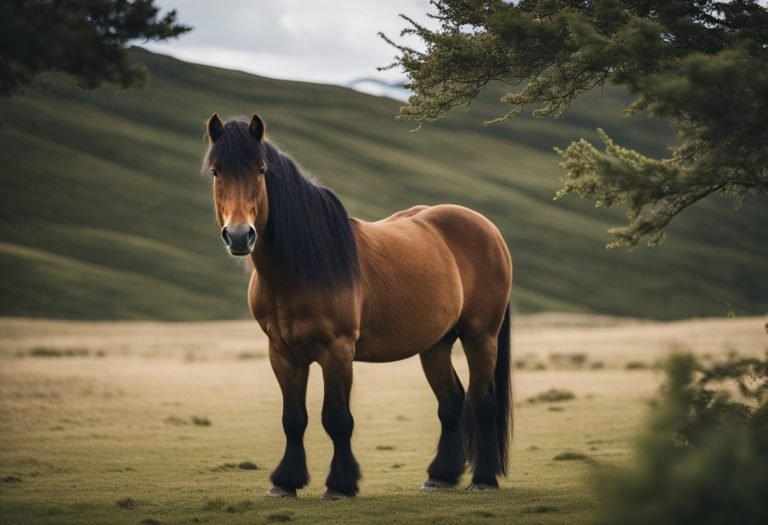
137	422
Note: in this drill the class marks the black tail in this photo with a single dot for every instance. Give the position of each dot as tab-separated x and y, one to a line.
502	393
503	390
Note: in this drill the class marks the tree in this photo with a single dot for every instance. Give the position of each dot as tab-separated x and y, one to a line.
700	64
84	38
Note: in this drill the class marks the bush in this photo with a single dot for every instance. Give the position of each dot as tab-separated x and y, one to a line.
571	456
568	361
45	351
127	503
704	456
553	395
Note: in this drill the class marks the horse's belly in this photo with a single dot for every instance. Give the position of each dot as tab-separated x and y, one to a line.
378	348
399	323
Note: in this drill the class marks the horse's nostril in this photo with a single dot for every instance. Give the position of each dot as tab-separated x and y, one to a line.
239	238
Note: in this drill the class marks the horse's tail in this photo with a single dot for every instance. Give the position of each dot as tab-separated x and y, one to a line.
503	391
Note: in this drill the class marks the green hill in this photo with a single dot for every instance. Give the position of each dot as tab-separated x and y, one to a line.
104	214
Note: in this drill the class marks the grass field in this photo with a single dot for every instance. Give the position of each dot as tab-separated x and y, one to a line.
144	422
103	213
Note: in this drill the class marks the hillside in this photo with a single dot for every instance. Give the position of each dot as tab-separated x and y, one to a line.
104	214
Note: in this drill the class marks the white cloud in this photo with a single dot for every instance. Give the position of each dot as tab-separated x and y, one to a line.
332	41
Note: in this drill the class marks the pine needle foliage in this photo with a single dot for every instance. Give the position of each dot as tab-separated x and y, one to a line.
702	65
86	39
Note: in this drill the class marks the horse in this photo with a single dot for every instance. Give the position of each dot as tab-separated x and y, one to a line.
332	289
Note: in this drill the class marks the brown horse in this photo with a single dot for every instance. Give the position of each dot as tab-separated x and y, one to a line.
330	289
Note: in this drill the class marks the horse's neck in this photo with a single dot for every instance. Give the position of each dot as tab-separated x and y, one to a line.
309	242
268	267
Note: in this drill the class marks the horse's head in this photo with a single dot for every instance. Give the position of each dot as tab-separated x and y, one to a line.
236	159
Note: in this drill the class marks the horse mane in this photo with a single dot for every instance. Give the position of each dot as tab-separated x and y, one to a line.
308	229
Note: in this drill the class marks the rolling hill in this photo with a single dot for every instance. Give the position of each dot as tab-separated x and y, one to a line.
104	214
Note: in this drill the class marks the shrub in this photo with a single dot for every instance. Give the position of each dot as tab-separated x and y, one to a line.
127	503
568	361
704	457
224	467
45	351
571	456
250	355
553	395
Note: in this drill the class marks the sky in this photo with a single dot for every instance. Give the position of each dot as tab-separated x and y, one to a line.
326	41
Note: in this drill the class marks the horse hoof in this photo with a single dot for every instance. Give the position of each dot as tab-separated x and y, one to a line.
478	487
434	485
280	492
332	495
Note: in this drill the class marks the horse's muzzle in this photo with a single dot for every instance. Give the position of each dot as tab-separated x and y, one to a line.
240	239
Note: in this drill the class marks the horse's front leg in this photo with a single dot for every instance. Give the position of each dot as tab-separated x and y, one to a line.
336	362
291	473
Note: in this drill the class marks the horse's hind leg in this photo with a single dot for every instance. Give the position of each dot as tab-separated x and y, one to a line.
291	473
481	354
449	463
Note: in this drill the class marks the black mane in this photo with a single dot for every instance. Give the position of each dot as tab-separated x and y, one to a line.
308	228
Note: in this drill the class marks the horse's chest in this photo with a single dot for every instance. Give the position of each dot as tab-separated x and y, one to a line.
295	332
301	324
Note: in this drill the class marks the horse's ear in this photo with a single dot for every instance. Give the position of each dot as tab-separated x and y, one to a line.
257	127
215	127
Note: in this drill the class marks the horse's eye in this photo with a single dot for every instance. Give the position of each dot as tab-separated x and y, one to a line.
263	170
213	172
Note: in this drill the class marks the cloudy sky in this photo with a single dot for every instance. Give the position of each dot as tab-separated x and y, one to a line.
330	41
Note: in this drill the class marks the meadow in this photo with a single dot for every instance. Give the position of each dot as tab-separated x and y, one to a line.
160	423
104	213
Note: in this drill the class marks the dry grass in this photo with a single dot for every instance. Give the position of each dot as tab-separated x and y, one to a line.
82	433
575	340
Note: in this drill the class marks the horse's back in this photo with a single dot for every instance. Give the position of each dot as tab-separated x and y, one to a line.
404	214
474	241
425	270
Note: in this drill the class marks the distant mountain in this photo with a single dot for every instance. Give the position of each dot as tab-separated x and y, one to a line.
380	88
104	214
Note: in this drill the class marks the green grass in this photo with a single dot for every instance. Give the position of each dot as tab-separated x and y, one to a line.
103	213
